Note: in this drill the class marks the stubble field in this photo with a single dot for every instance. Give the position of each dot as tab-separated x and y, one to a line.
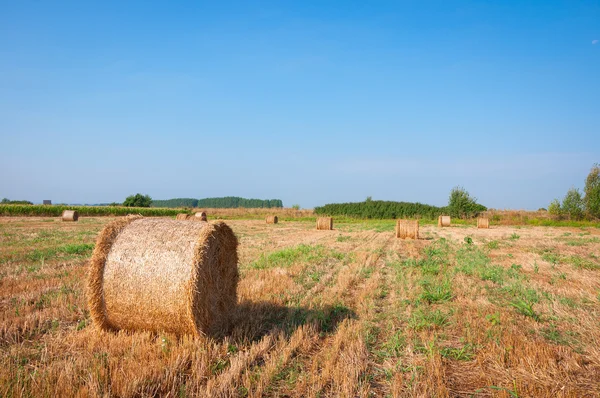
460	312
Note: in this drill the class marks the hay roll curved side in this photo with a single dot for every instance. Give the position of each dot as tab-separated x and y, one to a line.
483	222
325	223
182	216
444	221
70	215
407	229
272	219
200	216
164	275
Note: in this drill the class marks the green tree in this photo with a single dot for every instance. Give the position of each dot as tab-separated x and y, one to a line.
554	209
138	200
573	204
296	207
462	205
592	192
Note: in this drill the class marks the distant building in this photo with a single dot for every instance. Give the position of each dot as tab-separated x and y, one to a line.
47	202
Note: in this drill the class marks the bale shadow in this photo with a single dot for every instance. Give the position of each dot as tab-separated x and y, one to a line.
254	319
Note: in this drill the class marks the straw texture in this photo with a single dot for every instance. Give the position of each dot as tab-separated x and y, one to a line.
483	222
407	229
182	216
272	220
201	215
164	275
70	215
325	223
444	221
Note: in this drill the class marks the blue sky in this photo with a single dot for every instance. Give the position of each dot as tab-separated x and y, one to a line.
310	102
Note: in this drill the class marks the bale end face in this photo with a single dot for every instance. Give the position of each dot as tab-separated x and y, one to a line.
325	223
70	215
407	229
162	275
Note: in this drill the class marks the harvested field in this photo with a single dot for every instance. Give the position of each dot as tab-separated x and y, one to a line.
507	311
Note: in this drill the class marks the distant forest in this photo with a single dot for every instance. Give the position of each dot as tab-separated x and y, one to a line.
381	209
227	202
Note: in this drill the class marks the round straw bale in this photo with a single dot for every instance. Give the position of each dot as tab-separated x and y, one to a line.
325	223
70	215
272	220
444	221
182	216
483	222
201	215
160	274
407	229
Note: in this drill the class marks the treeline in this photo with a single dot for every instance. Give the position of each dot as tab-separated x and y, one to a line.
7	201
227	202
57	210
177	202
381	209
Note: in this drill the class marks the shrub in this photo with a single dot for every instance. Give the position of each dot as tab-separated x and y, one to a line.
462	205
138	200
573	204
592	192
554	209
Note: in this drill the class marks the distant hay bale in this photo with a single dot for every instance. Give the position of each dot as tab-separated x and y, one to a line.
325	223
272	220
70	215
160	274
483	222
407	229
444	221
201	215
182	216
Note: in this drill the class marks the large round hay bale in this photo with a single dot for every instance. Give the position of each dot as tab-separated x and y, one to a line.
483	222
70	215
201	215
182	216
407	229
160	274
444	221
272	220
325	223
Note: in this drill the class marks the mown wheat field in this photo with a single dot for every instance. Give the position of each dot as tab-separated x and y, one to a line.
508	312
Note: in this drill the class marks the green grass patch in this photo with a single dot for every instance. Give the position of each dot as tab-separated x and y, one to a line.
426	318
301	253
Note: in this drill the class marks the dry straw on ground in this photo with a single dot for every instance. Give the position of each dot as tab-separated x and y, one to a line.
201	215
182	216
483	222
407	229
70	215
163	275
443	221
272	220
325	223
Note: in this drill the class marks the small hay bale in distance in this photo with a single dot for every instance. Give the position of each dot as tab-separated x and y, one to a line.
162	275
444	221
325	223
182	216
272	220
70	215
483	222
201	215
407	229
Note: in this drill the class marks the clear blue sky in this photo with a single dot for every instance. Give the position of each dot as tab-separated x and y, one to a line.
309	102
